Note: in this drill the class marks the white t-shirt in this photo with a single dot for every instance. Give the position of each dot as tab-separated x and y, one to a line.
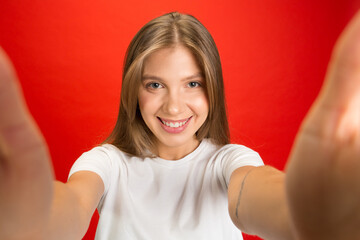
155	199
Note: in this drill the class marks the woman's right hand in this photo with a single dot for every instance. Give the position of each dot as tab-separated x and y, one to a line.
26	177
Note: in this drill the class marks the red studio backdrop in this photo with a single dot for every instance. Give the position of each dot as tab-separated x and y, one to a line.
69	57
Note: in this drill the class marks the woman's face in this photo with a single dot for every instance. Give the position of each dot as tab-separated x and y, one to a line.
172	100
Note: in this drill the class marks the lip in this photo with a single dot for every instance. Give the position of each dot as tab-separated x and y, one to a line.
174	129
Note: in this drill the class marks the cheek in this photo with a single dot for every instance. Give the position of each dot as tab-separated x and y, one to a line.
147	102
200	105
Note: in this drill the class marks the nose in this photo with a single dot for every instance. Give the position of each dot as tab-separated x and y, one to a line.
174	103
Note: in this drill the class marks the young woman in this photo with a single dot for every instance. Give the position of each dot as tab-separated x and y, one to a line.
166	168
167	171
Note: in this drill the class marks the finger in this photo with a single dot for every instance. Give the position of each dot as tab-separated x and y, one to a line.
12	106
25	169
335	113
342	83
20	138
323	163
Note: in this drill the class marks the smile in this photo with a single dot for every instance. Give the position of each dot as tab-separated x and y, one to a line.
174	126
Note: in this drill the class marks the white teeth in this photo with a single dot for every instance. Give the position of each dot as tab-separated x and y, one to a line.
174	125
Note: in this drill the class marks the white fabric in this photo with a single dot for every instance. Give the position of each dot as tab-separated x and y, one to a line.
153	198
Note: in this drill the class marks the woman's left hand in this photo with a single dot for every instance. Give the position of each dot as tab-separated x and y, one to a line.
323	173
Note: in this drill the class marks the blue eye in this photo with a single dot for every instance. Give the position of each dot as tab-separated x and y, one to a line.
194	84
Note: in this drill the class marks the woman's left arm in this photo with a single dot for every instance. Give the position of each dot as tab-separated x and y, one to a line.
257	202
324	204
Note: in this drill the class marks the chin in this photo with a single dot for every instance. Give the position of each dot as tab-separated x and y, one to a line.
176	141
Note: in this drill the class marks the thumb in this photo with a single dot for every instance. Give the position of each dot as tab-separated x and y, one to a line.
322	171
336	109
342	82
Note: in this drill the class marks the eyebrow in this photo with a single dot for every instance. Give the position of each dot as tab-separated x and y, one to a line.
152	77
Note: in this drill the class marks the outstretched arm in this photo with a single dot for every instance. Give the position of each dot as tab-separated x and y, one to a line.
323	172
321	199
32	205
25	172
257	202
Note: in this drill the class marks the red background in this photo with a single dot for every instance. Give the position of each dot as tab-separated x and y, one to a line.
69	55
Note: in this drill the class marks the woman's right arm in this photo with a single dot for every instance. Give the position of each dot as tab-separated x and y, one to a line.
32	205
73	205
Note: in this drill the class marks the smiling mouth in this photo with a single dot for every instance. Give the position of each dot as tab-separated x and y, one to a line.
174	124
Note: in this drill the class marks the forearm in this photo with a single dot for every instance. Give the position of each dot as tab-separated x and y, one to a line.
257	203
67	220
25	187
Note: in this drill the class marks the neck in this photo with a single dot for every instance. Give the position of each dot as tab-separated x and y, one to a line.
176	152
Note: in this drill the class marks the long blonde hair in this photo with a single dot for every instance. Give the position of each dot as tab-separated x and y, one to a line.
130	133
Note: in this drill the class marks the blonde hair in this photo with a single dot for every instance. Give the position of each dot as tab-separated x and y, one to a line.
130	133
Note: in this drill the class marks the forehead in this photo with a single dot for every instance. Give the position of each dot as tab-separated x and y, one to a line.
176	61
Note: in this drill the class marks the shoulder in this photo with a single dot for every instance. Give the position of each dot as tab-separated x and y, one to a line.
105	160
101	159
105	151
238	155
230	153
227	158
237	149
229	149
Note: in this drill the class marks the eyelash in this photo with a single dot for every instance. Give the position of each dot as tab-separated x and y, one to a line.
150	85
198	84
